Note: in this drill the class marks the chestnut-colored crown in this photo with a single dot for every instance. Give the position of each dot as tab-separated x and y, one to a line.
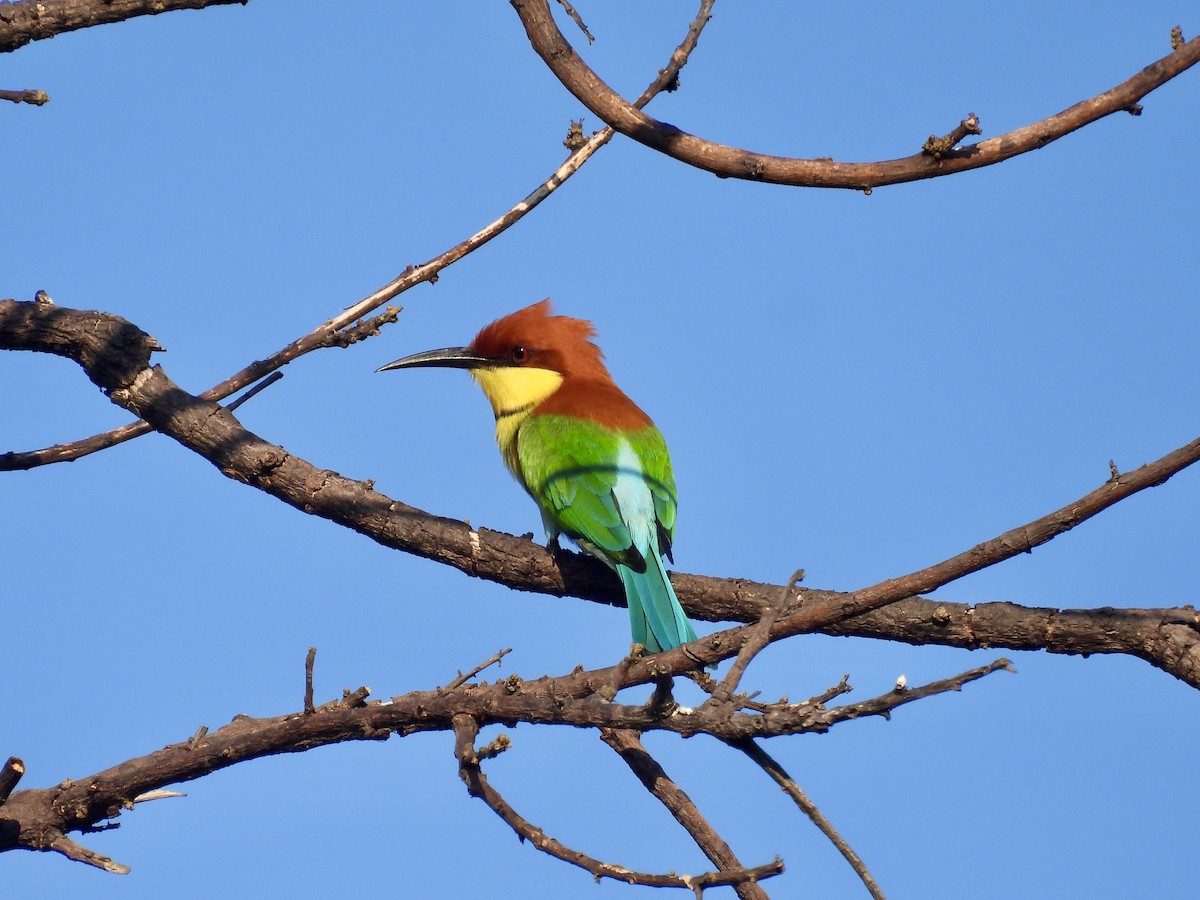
533	337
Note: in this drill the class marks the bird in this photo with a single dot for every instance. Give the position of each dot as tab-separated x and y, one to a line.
591	459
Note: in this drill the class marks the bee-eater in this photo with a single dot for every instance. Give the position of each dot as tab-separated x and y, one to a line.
593	462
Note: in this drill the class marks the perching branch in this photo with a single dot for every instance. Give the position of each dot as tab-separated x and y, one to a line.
465	731
789	786
40	819
34	20
757	638
10	774
349	326
116	355
732	162
628	745
492	660
33	98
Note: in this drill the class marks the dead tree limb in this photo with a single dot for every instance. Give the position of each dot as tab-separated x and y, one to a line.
465	731
732	162
115	354
41	818
24	21
628	745
349	325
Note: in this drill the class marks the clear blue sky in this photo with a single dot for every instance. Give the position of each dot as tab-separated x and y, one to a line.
859	385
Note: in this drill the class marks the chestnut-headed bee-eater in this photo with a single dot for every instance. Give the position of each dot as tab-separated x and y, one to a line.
593	462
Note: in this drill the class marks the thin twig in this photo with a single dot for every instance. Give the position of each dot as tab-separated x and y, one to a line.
629	747
261	386
309	661
759	636
465	731
938	147
157	795
60	843
329	333
27	21
195	739
571	11
568	700
810	809
490	661
34	97
10	774
735	162
901	696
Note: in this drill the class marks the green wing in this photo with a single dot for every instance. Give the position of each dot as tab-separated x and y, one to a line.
575	471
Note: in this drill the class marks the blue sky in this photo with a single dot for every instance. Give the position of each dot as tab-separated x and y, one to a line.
857	385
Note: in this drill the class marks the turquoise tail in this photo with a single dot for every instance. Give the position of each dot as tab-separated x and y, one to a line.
655	616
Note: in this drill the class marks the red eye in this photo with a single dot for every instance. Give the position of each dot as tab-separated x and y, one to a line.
519	354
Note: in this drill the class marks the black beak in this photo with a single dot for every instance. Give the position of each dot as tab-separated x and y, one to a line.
450	358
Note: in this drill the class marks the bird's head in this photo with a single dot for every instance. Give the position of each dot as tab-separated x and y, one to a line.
522	358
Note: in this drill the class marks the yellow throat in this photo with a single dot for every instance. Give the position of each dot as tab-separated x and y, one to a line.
513	393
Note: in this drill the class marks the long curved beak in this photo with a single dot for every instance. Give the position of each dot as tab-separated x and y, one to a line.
450	358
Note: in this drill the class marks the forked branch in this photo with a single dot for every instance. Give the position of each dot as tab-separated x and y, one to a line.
465	731
34	20
115	355
41	818
349	326
628	745
732	162
790	787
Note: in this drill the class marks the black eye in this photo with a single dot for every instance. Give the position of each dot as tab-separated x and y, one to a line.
519	354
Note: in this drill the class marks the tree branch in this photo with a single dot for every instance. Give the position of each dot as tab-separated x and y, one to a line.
732	162
39	819
465	731
33	20
115	355
10	774
346	327
789	786
492	660
628	745
32	97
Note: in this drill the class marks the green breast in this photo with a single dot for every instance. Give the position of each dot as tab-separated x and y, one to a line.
570	467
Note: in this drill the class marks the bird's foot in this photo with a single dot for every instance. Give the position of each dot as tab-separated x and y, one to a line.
662	701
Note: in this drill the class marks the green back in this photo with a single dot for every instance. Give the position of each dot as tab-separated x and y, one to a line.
571	467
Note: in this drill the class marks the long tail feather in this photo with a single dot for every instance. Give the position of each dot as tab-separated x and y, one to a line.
658	621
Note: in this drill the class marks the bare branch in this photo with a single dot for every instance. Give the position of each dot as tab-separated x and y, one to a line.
309	662
261	386
39	818
10	774
116	355
629	747
345	328
34	97
34	20
810	809
465	731
758	637
578	19
732	162
60	843
492	660
939	147
1022	539
157	795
